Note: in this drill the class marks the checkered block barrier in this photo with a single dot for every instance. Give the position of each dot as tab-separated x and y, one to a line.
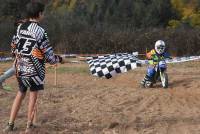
109	65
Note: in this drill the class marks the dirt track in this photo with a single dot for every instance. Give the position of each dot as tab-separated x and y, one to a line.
83	104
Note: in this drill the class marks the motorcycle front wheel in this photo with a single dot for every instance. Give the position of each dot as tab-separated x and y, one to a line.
164	79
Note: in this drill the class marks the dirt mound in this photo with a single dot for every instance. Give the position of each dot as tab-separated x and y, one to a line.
83	104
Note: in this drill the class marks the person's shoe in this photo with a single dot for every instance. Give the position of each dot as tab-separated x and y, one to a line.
1	85
142	84
146	82
29	128
10	127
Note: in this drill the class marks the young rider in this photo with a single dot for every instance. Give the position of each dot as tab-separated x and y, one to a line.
154	56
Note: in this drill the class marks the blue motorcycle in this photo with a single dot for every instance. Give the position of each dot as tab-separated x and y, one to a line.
160	75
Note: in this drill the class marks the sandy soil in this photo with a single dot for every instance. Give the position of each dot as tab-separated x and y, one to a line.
83	104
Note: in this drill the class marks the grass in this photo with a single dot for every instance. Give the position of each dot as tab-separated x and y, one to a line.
60	69
7	88
72	70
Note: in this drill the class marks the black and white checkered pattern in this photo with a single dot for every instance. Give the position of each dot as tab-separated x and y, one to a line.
109	65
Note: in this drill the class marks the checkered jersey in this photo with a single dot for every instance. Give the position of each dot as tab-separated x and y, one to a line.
109	65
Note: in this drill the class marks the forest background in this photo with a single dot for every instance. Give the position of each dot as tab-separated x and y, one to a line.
111	26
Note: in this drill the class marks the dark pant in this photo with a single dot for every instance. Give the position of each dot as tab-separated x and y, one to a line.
29	82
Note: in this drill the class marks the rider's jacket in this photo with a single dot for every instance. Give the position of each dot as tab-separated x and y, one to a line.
153	57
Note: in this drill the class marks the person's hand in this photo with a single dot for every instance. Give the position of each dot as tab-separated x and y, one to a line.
170	58
64	61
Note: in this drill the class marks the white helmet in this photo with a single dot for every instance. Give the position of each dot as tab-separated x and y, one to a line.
160	46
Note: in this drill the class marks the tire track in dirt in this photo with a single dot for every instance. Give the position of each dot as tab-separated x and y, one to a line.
83	104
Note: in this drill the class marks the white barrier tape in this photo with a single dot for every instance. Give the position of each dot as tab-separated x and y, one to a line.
182	59
5	59
176	59
75	61
69	55
173	60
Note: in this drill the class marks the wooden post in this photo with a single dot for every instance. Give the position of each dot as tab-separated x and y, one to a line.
55	75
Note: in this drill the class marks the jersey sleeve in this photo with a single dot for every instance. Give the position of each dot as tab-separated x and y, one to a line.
15	41
149	55
13	45
167	55
47	50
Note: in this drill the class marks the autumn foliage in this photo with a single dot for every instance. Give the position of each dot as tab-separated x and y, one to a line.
109	26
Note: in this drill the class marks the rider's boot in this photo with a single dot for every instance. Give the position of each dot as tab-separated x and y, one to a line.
146	81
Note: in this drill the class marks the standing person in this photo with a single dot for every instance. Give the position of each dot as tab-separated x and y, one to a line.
32	51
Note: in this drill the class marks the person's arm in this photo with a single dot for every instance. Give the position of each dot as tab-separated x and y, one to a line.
15	40
47	50
167	55
149	55
13	45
